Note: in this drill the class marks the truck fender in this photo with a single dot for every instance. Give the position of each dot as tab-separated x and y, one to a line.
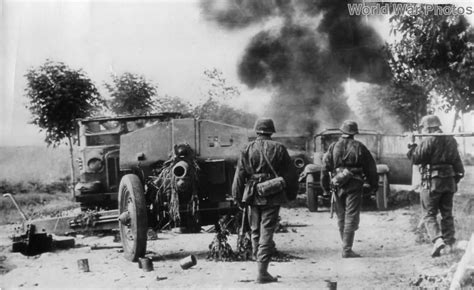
382	169
309	169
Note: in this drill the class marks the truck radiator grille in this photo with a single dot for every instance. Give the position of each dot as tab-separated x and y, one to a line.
112	169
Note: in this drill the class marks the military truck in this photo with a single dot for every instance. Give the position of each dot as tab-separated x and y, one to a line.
99	141
175	173
388	151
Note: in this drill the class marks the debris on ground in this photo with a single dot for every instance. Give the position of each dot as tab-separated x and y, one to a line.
102	247
431	282
279	257
281	227
151	235
219	248
87	219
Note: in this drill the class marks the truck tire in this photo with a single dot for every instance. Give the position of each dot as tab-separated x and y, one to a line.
311	194
383	192
132	217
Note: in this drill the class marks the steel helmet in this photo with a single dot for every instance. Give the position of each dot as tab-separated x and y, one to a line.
349	127
430	121
264	126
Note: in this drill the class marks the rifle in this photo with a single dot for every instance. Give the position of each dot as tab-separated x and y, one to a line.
332	190
426	184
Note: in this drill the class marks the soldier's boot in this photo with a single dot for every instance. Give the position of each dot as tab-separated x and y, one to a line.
341	233
263	275
437	247
347	241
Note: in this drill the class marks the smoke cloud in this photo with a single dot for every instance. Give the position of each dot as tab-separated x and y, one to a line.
306	58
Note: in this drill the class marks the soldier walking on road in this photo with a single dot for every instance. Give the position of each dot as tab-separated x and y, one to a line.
261	163
441	169
346	165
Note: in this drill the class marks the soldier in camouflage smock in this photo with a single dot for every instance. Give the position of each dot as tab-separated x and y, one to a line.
351	160
253	168
441	168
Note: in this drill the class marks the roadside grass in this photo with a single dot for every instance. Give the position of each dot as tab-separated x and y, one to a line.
463	225
35	205
463	212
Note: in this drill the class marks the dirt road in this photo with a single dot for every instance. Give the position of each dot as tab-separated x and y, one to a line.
391	258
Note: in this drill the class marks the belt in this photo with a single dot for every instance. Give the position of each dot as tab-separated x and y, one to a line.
259	177
353	170
440	166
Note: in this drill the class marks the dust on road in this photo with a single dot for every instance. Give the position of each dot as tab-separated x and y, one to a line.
391	258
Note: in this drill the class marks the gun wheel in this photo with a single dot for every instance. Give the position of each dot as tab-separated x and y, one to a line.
132	217
311	194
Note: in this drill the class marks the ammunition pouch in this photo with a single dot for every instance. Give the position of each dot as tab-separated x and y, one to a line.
250	187
344	174
271	187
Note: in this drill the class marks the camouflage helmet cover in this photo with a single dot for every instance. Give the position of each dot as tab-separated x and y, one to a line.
430	121
349	127
264	126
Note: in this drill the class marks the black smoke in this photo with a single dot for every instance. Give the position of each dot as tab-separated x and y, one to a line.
306	58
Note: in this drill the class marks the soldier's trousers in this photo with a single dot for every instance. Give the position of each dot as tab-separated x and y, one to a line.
348	203
263	222
442	201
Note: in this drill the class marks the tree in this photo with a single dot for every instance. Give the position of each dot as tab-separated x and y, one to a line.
390	108
172	104
131	94
214	105
58	96
436	52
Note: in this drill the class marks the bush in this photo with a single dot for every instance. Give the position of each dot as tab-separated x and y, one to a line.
34	186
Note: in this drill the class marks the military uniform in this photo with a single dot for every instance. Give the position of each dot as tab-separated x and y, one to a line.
253	168
441	169
352	155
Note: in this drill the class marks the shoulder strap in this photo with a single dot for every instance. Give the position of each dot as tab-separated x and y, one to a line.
249	164
266	159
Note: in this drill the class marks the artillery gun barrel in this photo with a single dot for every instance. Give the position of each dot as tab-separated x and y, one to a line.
180	169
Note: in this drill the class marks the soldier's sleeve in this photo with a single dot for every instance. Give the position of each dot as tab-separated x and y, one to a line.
288	172
457	164
327	167
240	176
370	168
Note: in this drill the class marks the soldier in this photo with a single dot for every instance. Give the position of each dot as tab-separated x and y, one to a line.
346	165
441	169
263	160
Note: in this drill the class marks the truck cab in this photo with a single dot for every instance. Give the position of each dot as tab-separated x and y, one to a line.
98	161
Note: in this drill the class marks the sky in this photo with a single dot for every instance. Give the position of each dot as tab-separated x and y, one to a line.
167	41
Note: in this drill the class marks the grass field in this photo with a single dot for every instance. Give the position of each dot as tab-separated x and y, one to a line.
38	177
35	164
